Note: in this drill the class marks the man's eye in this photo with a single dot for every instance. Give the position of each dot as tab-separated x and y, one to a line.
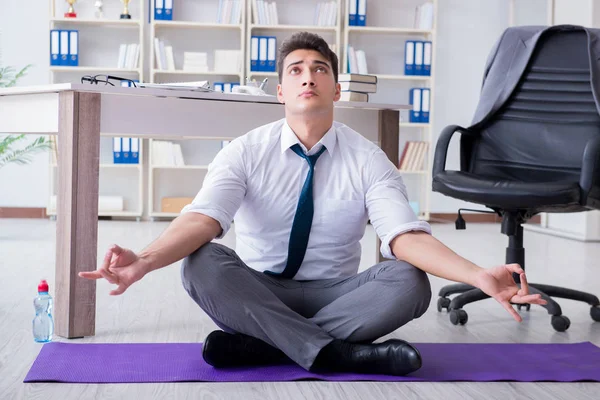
294	71
321	69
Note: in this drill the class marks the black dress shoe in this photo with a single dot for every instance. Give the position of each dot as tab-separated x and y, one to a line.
222	349
392	357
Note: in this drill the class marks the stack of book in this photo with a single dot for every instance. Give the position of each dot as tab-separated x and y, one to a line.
228	61
129	55
357	61
164	56
230	12
326	14
264	13
356	87
424	16
413	156
197	62
165	153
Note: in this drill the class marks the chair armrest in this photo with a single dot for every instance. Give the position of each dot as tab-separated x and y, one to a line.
441	148
590	166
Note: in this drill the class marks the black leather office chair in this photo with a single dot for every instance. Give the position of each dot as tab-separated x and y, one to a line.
540	152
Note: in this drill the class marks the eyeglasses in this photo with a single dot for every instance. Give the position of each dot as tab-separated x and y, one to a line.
105	80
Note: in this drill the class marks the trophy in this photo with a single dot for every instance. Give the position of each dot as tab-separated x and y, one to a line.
125	14
71	12
99	10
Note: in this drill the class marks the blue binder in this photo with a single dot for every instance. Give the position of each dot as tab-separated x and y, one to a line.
64	48
353	16
135	151
168	10
117	152
415	101
73	48
55	47
425	104
159	6
427	46
263	46
362	13
409	57
271	54
254	53
418	58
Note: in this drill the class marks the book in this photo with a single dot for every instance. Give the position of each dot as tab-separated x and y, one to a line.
354	96
358	87
357	78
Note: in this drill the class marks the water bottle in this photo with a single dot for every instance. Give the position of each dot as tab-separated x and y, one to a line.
43	325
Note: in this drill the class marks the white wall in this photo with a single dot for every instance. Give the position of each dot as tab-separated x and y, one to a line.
24	40
467	29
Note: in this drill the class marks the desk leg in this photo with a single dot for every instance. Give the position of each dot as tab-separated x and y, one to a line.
77	212
389	134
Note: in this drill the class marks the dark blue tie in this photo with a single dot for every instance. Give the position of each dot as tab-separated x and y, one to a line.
302	219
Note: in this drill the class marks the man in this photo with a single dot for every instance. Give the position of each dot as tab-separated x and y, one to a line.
302	190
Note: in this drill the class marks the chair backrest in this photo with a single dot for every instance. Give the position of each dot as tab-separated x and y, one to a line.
540	132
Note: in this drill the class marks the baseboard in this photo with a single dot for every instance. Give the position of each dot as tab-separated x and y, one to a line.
473	217
22	212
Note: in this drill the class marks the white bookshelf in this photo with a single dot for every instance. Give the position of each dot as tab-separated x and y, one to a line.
98	51
194	28
166	179
389	23
292	16
123	180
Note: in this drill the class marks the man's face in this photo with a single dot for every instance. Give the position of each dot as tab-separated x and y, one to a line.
307	83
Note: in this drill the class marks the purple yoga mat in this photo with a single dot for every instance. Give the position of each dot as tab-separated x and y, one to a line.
182	362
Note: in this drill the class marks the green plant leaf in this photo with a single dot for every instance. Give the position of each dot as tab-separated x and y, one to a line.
24	155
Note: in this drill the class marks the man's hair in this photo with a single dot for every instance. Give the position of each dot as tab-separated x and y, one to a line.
307	41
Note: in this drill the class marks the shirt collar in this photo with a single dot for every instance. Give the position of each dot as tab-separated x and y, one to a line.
289	138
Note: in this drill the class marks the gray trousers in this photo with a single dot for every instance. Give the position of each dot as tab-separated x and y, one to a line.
301	317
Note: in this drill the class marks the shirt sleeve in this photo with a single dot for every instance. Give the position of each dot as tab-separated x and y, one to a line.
387	203
224	187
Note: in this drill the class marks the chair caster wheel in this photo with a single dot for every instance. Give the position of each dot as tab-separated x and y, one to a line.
594	312
527	307
443	302
458	317
560	323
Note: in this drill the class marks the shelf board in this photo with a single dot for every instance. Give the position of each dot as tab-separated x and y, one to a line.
259	73
182	72
403	77
414	125
201	167
164	214
92	21
376	29
93	69
107	213
294	27
110	165
195	25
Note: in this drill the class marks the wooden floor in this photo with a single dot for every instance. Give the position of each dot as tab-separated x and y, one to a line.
157	309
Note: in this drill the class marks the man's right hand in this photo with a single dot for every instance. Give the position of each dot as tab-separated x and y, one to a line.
120	267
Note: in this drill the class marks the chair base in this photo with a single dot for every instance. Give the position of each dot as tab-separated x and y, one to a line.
515	253
469	294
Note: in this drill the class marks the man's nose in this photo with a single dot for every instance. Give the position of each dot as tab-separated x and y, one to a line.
308	79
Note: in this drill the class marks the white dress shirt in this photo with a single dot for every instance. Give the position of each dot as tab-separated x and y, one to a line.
257	179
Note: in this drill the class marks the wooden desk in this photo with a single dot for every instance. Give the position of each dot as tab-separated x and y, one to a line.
80	114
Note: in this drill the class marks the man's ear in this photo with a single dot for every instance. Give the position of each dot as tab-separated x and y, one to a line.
280	94
338	92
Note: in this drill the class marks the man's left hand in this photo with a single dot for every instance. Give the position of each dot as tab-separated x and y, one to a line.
498	282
